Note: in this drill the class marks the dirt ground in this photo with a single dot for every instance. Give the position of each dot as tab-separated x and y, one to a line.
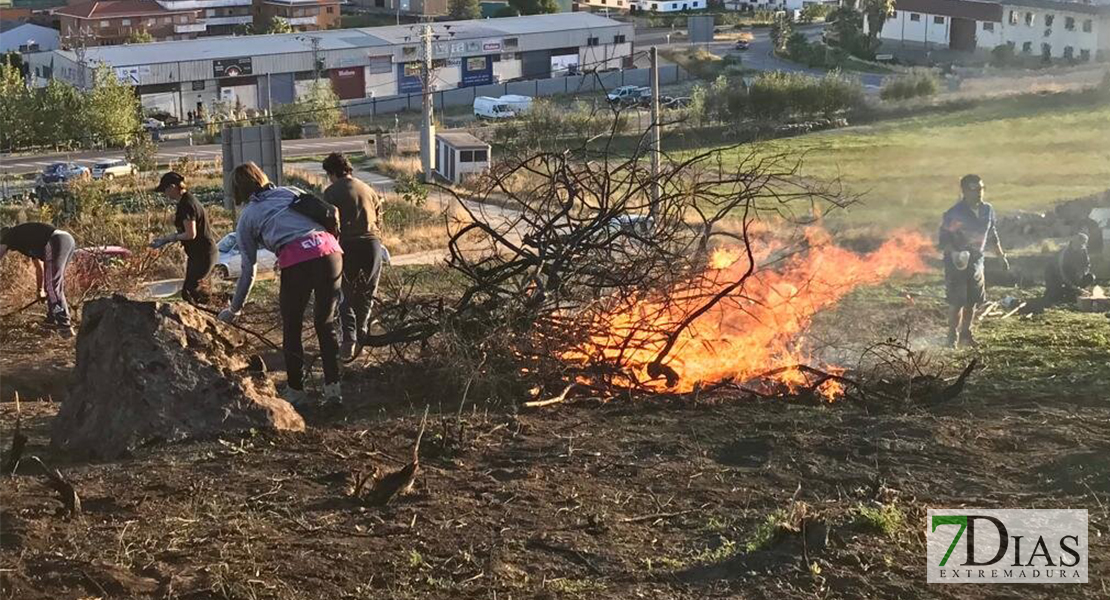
654	497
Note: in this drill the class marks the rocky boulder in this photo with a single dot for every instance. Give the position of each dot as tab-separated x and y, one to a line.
154	371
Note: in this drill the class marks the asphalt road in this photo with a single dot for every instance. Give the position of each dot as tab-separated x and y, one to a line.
758	56
174	150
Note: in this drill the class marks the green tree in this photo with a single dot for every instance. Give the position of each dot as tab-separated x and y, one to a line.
16	108
877	12
111	111
279	25
781	30
58	115
318	105
534	7
142	152
464	9
140	36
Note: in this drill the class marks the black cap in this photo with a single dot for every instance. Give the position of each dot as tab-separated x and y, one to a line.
169	179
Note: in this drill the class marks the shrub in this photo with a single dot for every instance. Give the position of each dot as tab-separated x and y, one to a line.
1003	55
915	84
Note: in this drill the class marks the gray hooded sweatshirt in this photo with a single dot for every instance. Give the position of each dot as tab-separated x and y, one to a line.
269	222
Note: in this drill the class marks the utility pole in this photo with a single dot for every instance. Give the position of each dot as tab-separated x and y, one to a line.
656	126
427	130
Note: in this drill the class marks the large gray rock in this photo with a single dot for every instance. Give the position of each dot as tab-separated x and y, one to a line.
153	371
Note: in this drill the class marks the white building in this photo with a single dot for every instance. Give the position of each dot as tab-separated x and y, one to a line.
647	6
26	37
1060	30
262	71
788	5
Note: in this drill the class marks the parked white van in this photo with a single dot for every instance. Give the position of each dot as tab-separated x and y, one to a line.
517	104
486	107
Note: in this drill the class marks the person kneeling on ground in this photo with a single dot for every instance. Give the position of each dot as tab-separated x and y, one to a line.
311	262
50	250
360	212
193	232
1068	272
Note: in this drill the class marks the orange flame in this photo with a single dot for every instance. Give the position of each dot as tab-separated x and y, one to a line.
756	329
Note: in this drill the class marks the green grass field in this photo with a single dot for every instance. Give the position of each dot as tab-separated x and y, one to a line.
1031	153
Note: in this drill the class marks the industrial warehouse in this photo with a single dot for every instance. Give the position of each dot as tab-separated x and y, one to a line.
263	71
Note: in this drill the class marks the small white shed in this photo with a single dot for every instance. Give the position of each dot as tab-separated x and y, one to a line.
459	154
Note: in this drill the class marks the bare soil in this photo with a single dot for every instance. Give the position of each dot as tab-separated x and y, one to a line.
649	497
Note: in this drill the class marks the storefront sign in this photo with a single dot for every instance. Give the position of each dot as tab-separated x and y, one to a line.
231	67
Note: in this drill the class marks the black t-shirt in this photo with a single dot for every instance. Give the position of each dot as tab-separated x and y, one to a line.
29	238
189	209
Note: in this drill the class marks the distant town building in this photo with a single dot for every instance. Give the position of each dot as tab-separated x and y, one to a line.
16	36
110	22
424	8
304	15
263	71
1078	31
650	6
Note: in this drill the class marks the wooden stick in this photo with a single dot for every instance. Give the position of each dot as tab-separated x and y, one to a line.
58	483
19	441
654	516
555	400
987	311
1012	312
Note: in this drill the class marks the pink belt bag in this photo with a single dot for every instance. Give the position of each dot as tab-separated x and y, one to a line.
313	245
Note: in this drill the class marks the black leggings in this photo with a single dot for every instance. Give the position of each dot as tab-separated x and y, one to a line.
198	264
322	276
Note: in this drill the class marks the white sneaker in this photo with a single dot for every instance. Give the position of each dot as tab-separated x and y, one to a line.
295	397
333	393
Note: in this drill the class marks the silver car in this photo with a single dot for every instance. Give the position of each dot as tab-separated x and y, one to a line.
110	169
229	264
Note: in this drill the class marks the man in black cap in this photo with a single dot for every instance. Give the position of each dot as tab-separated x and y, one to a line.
50	250
194	233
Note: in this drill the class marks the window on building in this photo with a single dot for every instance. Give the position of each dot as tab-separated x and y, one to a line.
1049	20
938	20
618	39
1084	55
466	156
331	10
915	17
1013	18
125	22
988	26
1069	23
105	23
1029	18
510	42
1046	49
1069	52
1027	48
592	41
604	2
211	12
1087	26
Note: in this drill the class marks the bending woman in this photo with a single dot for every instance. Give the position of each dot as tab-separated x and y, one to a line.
311	263
193	232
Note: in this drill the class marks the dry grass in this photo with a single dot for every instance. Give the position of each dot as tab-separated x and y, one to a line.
395	166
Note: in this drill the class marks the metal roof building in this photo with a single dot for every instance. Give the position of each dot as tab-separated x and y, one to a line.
265	70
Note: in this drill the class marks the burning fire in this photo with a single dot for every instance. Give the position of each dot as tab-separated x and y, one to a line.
759	328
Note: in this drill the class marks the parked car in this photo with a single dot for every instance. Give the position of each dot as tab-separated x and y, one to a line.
91	263
627	94
229	263
680	102
742	45
486	107
517	103
63	173
152	124
110	169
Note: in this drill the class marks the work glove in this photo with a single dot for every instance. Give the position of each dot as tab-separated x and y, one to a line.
159	242
228	316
